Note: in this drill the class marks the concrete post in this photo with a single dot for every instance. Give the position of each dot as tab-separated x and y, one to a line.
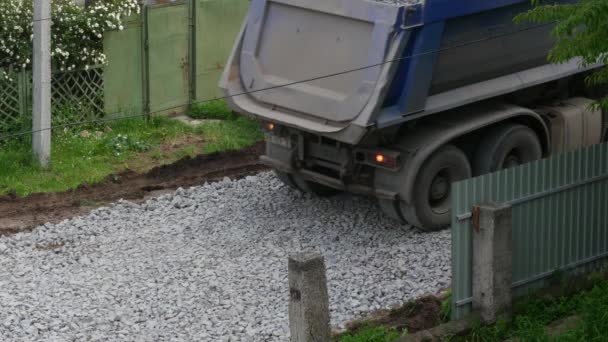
492	261
309	302
41	116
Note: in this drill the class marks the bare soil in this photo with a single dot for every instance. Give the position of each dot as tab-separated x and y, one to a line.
420	314
23	214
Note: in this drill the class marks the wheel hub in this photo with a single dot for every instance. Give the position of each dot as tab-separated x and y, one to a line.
439	188
512	160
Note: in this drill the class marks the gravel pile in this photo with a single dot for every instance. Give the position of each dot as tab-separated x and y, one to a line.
208	264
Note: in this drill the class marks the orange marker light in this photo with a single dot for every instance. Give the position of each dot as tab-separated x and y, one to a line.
270	126
379	158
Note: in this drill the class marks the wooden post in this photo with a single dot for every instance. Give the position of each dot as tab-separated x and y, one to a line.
309	301
41	116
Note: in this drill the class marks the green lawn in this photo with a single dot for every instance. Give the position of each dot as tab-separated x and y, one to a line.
90	154
373	334
211	110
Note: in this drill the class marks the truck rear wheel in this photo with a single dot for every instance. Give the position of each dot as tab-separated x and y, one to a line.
432	190
298	183
506	146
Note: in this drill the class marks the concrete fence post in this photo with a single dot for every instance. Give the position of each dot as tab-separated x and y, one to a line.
41	116
492	261
309	301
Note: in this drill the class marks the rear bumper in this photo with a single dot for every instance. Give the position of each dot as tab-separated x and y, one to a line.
331	182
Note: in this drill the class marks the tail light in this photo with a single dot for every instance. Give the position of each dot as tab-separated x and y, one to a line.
386	159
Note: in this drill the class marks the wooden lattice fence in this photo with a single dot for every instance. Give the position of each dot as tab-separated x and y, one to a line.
76	96
13	101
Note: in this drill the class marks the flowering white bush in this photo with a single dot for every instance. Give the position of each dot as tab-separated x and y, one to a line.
77	33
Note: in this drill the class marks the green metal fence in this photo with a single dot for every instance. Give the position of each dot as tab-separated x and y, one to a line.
217	24
560	219
168	65
76	96
171	55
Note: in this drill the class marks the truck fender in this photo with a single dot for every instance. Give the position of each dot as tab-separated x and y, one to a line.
419	143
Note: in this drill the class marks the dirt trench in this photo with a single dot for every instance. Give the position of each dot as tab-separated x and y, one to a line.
25	213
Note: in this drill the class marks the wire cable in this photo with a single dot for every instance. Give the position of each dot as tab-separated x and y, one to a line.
430	52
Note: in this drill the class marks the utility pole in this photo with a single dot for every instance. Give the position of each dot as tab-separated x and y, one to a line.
41	116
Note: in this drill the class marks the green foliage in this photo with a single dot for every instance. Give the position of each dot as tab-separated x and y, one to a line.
581	30
217	110
534	314
77	33
369	334
120	144
446	307
594	311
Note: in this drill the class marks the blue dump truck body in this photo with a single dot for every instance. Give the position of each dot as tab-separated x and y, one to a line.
362	96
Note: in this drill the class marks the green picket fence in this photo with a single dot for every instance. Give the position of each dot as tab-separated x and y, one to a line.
76	96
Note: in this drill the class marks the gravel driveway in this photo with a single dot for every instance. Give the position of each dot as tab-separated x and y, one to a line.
208	264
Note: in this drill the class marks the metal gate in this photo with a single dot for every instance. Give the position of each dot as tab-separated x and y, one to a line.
217	24
170	55
167	34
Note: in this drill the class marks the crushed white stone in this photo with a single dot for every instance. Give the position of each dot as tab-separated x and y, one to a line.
208	263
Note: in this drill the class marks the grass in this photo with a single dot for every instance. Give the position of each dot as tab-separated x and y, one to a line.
373	334
230	135
446	307
90	155
534	314
215	110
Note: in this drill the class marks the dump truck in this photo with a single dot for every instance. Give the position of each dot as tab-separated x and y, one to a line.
399	99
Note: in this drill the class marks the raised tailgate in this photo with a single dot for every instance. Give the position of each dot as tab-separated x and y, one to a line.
304	41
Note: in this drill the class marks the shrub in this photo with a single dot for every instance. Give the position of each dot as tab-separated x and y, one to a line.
77	33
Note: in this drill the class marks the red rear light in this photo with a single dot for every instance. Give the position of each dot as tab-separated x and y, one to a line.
385	160
382	158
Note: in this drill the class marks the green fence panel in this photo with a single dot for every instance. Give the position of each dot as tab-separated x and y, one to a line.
162	71
168	57
560	219
123	83
217	25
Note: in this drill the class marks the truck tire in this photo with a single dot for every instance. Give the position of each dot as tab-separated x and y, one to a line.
431	193
432	190
506	146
